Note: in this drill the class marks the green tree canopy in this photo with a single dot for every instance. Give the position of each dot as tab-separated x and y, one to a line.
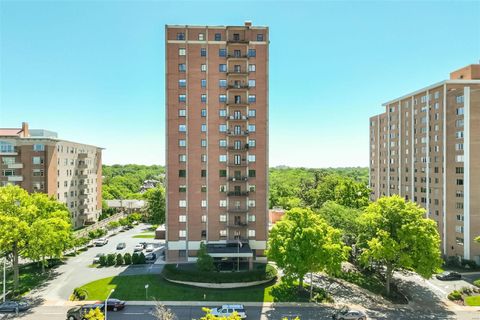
156	205
303	242
395	234
342	218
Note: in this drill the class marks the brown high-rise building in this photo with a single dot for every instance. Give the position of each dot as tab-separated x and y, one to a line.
37	161
426	148
217	140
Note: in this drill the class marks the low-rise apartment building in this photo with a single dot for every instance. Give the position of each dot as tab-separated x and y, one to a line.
426	148
37	161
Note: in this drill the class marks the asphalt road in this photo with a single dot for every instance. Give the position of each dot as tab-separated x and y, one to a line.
261	313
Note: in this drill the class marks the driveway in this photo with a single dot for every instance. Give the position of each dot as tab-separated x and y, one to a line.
77	271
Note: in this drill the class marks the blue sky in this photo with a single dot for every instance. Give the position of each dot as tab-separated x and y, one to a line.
94	70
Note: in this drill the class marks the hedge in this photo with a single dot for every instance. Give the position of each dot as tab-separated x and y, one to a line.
477	283
170	271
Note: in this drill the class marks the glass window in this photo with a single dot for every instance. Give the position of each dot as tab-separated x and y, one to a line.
203	203
37	160
251	158
182	218
203	83
203	143
203	158
222	158
38	147
251	128
223	173
251	68
203	173
222	112
251	203
8	160
222	52
203	67
182	83
181	36
222	143
222	83
252	113
182	158
252	98
6	147
182	128
222	67
251	233
182	143
223	203
182	112
182	51
218	37
203	98
203	127
223	218
251	173
260	37
203	52
182	67
182	234
223	233
182	203
251	143
201	36
252	53
203	112
251	83
182	97
222	98
222	128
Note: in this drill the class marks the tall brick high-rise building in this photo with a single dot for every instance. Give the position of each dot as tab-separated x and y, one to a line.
426	148
37	161
217	140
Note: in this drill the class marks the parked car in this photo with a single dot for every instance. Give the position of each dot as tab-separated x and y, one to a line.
346	313
149	248
78	312
144	244
14	306
138	247
96	259
150	257
121	246
227	309
100	242
449	275
114	304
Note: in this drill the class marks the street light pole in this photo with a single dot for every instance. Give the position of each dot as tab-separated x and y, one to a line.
106	302
146	293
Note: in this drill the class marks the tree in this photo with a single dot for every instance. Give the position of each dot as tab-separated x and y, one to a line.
342	218
156	205
120	260
34	226
111	259
303	242
204	260
209	316
113	225
160	312
395	235
477	239
127	258
94	314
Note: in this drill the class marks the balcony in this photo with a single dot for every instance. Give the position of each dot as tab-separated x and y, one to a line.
237	57
235	164
83	196
236	239
82	155
234	148
238	133
238	87
15	166
83	176
82	166
83	206
237	210
237	193
237	73
15	178
83	186
237	179
237	41
237	224
236	118
9	152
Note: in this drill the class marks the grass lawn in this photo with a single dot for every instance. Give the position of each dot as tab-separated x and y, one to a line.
132	288
472	300
144	236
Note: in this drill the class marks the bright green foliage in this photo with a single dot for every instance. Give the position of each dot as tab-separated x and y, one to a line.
113	225
204	260
134	217
156	205
32	226
342	218
477	239
395	234
210	316
95	314
303	242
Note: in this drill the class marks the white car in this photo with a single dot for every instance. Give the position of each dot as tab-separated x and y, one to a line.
349	314
228	309
149	248
100	242
138	247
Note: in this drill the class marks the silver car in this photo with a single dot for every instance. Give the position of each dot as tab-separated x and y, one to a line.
346	313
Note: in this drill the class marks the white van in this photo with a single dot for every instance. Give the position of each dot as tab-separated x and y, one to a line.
228	309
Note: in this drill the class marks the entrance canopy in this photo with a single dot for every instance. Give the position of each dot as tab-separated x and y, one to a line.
229	250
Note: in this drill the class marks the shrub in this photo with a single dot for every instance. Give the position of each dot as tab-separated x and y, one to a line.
120	260
452	261
141	258
103	261
111	259
466	290
135	258
204	260
477	283
471	264
455	295
80	294
170	271
127	258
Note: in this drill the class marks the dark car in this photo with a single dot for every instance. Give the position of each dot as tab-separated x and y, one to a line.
121	246
115	304
144	244
449	275
14	306
150	257
78	313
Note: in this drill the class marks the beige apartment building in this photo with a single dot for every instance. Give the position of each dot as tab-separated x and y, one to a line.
217	141
37	161
426	148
